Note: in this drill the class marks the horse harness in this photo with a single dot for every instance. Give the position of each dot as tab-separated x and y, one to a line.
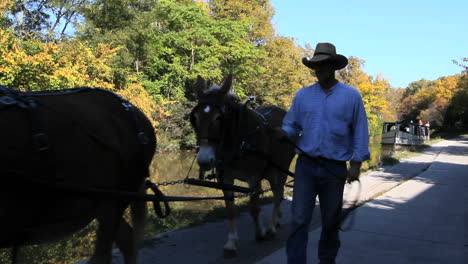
245	145
243	142
29	103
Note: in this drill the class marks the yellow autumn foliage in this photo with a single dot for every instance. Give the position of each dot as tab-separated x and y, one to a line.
4	6
33	65
138	96
444	90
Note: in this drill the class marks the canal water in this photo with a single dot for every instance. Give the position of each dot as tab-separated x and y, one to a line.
168	168
178	165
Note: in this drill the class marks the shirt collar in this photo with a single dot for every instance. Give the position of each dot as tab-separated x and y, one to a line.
329	91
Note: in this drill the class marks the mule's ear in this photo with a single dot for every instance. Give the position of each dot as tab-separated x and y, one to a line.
200	85
227	84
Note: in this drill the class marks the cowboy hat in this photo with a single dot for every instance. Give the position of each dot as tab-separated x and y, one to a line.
326	52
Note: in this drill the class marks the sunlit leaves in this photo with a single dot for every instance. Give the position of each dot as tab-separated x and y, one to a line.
456	116
256	13
187	42
429	100
283	75
373	91
139	97
33	65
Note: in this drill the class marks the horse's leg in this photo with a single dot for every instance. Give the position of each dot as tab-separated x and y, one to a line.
230	248
276	180
139	212
254	208
128	238
109	217
14	254
126	242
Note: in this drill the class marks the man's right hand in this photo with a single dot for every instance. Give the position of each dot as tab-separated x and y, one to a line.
279	134
354	171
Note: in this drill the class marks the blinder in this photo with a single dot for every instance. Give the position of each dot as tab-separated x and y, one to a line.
232	138
216	137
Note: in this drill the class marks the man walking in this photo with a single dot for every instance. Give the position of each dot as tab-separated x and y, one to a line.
329	123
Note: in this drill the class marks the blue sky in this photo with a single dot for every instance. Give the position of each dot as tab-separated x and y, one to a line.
404	40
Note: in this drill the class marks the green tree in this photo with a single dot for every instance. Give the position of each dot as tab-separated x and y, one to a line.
45	19
416	97
393	97
430	100
284	74
440	96
257	13
30	17
373	92
456	116
187	42
353	73
277	73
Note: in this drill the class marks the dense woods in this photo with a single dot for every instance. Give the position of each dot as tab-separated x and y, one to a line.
151	51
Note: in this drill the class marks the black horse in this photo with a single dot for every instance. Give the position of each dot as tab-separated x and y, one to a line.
58	144
237	141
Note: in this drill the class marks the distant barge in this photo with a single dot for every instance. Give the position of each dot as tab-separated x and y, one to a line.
398	133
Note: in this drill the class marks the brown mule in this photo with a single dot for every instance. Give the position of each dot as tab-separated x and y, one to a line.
79	138
237	142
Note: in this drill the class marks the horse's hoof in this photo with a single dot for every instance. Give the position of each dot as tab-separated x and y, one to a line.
229	253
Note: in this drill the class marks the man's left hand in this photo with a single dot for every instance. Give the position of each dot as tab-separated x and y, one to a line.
353	172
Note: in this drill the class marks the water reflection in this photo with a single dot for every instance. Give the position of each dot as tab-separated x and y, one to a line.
380	152
169	167
179	165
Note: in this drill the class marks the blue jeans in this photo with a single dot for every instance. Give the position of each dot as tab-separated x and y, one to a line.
325	178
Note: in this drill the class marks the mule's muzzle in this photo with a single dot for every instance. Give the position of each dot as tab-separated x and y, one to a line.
206	165
206	157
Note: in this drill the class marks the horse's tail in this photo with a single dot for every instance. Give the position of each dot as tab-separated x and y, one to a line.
139	212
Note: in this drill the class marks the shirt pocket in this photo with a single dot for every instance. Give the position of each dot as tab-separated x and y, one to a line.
341	113
339	129
309	120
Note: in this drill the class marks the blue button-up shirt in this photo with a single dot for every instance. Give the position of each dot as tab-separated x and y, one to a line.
329	124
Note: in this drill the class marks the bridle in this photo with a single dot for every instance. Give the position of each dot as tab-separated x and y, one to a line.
229	141
214	138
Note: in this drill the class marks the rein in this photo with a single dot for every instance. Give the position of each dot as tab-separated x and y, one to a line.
231	140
